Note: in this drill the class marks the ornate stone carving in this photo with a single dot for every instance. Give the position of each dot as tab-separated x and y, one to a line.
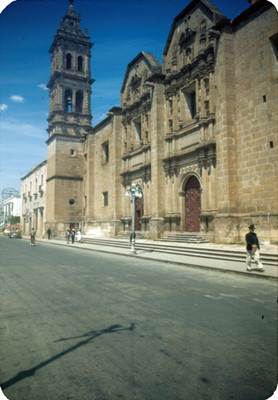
190	168
207	158
126	180
171	168
187	37
142	174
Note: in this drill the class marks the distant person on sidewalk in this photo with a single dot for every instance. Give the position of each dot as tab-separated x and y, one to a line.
130	238
79	236
48	233
253	247
67	235
72	232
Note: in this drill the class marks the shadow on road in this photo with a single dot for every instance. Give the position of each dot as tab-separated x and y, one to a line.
91	336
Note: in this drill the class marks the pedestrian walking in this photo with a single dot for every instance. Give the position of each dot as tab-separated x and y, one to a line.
48	233
253	247
79	236
131	236
32	237
72	235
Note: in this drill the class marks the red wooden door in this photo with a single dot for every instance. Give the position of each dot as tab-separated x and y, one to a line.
192	205
139	212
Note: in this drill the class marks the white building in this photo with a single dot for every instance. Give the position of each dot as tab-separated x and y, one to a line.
33	200
12	210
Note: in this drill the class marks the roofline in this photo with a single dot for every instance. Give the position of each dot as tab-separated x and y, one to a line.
191	5
144	55
101	123
65	137
251	10
14	196
34	169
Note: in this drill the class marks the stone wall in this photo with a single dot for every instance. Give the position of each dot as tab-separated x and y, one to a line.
33	200
209	112
247	159
256	114
65	171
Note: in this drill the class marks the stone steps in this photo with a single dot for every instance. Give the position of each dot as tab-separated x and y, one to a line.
203	252
126	235
184	238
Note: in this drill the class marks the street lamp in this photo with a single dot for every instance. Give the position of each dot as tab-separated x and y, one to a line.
133	191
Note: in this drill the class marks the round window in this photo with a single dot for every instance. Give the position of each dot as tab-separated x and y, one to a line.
71	202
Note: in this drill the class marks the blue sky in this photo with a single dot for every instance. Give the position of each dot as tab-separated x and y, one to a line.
119	29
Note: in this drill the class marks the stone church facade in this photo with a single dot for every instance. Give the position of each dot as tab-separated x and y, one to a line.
197	133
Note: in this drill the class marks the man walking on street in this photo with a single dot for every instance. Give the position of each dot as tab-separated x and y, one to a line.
253	247
72	235
32	237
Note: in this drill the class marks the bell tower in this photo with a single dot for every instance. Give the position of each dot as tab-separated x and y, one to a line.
70	80
68	122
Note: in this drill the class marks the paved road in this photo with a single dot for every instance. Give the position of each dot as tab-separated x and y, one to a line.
94	326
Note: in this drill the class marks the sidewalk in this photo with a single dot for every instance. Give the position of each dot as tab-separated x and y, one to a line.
183	260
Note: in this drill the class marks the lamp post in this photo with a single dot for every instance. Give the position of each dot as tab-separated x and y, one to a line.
132	192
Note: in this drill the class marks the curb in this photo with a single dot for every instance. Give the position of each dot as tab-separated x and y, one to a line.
256	275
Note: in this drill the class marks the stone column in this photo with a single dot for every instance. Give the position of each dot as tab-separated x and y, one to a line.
175	113
86	102
73	99
157	154
202	99
39	222
182	209
197	88
211	93
226	144
42	222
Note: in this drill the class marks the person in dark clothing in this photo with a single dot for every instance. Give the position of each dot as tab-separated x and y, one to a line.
253	247
32	237
49	233
130	238
72	236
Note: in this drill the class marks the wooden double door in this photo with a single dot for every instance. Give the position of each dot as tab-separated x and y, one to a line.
192	205
139	212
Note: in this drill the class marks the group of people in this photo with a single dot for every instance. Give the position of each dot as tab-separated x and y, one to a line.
70	236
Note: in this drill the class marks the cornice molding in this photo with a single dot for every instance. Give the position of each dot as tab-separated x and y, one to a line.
65	178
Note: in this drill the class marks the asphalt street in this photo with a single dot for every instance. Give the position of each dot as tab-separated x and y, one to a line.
95	326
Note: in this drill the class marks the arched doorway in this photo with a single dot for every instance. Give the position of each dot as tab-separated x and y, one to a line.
139	212
192	205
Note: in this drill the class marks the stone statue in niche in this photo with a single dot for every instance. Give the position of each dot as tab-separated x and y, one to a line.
188	53
174	54
203	25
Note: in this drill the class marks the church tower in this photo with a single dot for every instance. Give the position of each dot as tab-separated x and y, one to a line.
68	122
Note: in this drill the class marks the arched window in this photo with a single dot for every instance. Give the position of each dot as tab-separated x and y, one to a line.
79	102
80	63
68	61
68	101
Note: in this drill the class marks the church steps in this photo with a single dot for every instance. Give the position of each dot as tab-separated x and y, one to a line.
204	252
